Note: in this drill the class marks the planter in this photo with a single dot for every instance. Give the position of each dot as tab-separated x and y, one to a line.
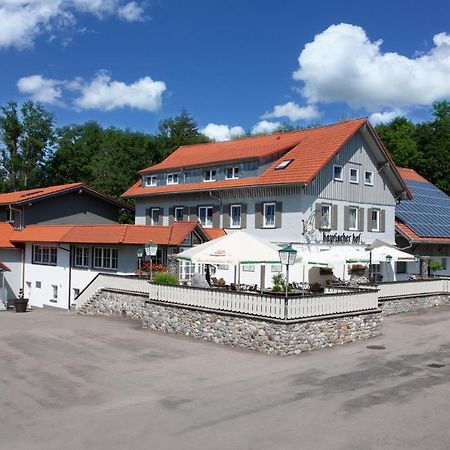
21	304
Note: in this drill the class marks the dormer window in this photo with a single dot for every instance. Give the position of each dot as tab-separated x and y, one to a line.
232	173
283	164
172	178
150	180
210	175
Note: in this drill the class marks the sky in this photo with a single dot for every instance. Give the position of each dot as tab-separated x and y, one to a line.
234	65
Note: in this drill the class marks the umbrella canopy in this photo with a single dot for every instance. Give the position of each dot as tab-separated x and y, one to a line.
235	248
379	254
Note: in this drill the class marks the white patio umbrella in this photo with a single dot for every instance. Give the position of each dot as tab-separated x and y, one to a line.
379	254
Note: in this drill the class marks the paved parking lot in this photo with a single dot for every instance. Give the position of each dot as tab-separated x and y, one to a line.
74	382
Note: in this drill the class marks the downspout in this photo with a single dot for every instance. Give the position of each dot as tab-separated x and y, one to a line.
21	224
70	271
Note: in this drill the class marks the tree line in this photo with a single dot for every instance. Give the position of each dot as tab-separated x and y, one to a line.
36	153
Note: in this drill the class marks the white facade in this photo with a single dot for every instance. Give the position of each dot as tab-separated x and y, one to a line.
13	280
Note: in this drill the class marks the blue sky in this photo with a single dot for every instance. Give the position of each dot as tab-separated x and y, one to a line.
229	63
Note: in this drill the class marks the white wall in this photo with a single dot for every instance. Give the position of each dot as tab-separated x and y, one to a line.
13	280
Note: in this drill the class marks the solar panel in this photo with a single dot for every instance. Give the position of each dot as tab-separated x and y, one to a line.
428	214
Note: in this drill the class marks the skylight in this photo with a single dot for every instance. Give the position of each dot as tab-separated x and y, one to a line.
283	164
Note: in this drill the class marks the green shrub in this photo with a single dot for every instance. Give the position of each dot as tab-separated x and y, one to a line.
166	278
434	266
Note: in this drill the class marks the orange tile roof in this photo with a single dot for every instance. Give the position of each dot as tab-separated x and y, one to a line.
410	174
411	236
214	233
6	231
106	234
310	150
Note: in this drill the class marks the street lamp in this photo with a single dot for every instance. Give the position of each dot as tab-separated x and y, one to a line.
150	250
417	260
140	254
287	257
388	260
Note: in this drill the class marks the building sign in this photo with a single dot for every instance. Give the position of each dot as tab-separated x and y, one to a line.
342	238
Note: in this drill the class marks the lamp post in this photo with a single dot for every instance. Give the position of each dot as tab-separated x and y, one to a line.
287	257
417	260
150	250
140	254
388	260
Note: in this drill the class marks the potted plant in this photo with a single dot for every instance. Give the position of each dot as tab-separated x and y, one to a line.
357	269
21	303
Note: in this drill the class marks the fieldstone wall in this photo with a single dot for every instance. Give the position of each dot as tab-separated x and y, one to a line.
410	304
249	333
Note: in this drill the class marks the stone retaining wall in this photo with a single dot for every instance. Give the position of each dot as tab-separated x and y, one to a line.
410	304
249	333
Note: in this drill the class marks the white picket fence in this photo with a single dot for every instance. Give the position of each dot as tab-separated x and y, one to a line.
414	288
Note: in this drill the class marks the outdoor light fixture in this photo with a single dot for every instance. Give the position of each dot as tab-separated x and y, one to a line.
287	257
151	249
140	254
388	260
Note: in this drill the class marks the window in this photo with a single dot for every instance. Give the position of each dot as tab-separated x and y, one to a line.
222	267
401	267
43	254
444	263
269	215
76	292
337	173
172	178
235	219
232	173
82	256
10	215
352	218
283	164
154	216
55	291
275	268
248	268
375	220
368	178
325	216
354	176
105	258
210	175
178	214
38	284
205	214
150	180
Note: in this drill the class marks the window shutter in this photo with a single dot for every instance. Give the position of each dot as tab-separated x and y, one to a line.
361	219
346	225
318	215
382	220
278	214
216	217
244	215
185	213
148	220
193	214
258	215
334	212
369	219
161	216
226	216
171	215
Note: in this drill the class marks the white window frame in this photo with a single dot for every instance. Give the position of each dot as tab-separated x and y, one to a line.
231	216
81	254
353	208
205	208
108	256
152	221
248	268
209	175
371	178
323	226
150	180
46	255
377	221
335	178
178	208
266	224
283	164
357	175
172	178
234	173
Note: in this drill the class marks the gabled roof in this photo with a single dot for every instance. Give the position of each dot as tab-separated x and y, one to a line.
32	195
310	150
108	234
6	231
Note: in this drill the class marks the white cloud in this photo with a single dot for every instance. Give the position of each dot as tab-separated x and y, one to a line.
41	89
386	116
222	132
21	21
101	93
341	64
105	94
266	127
293	112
